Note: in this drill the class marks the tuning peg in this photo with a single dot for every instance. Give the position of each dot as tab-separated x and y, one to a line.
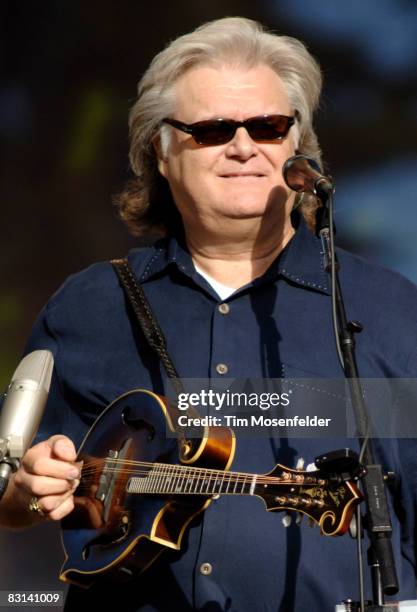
298	519
286	520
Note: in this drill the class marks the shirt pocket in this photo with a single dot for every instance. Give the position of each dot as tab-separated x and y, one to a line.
319	405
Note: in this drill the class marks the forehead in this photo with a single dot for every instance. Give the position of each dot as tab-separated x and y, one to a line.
205	92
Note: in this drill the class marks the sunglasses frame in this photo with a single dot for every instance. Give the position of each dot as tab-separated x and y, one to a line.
192	128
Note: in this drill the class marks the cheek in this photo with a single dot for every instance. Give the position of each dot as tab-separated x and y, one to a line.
190	170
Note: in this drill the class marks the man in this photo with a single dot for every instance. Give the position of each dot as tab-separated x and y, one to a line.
239	290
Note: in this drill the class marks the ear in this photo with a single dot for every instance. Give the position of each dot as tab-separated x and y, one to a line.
162	161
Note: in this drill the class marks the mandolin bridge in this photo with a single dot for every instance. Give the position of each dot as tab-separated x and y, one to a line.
111	476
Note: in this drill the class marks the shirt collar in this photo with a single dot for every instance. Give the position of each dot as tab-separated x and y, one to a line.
300	262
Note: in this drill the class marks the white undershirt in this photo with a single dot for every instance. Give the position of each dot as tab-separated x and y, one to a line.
223	291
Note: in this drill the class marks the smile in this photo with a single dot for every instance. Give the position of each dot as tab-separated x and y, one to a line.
243	175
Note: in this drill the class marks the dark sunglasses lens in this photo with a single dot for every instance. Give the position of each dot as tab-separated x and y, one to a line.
260	128
269	128
213	132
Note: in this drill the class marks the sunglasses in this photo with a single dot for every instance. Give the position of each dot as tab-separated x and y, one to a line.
265	128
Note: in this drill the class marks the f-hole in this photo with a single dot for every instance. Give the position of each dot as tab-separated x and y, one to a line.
137	423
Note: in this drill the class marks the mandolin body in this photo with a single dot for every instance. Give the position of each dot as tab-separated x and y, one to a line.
112	532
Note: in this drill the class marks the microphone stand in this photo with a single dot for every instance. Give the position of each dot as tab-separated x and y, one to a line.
377	520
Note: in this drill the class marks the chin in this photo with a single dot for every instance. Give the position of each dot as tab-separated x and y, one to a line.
251	207
242	211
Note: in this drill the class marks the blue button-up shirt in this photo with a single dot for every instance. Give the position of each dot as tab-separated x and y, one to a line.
279	325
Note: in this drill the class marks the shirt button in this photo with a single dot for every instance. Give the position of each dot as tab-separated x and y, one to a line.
221	368
206	569
224	308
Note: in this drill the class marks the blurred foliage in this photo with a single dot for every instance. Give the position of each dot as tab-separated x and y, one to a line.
92	117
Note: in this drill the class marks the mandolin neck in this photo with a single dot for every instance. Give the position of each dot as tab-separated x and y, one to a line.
179	479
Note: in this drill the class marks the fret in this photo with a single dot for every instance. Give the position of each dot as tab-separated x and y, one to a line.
155	477
142	483
165	479
236	481
172	479
200	477
230	480
185	478
166	483
204	476
150	480
253	485
169	475
221	484
193	480
215	481
243	484
159	474
144	480
192	476
159	477
209	481
180	480
203	479
176	479
190	479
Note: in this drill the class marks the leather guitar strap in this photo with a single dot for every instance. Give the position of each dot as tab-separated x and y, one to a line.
154	336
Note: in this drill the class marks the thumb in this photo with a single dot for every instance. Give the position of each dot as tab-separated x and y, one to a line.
62	447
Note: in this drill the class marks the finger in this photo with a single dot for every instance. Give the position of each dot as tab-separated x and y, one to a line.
63	509
50	503
40	465
62	448
57	447
42	485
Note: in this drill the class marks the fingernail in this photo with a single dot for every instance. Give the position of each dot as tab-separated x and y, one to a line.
73	473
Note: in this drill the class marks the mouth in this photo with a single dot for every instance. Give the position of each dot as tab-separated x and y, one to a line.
244	175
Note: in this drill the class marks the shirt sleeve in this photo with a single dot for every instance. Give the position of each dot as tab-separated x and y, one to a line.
59	416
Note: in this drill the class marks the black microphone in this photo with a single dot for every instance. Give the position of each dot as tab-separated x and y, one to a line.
302	173
22	410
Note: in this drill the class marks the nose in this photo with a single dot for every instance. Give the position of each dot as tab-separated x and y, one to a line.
241	146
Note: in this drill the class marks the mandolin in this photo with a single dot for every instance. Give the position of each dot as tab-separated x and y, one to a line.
137	495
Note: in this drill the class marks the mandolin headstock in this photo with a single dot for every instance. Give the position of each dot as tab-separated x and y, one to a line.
328	503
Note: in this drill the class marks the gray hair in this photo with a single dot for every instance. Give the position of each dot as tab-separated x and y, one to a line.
146	202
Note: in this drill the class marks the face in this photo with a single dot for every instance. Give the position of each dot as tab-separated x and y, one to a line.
241	179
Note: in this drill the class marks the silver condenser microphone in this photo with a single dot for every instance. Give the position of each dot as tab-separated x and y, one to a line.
22	410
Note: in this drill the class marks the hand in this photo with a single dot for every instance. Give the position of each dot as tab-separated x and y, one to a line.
48	471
